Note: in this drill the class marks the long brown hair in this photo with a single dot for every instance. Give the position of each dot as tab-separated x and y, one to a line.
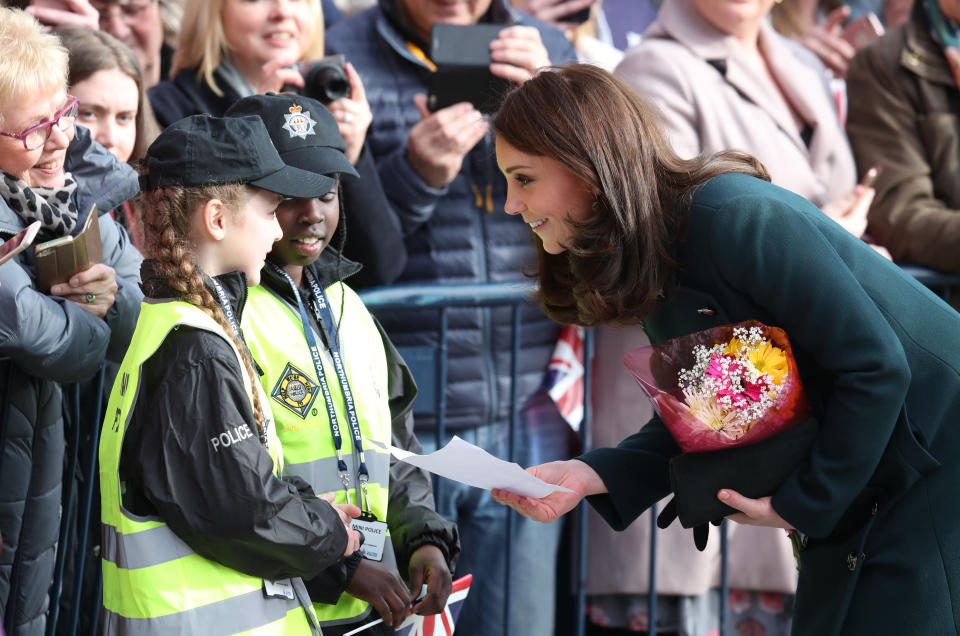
604	133
92	51
168	213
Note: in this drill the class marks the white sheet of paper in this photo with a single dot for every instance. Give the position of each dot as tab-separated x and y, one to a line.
462	461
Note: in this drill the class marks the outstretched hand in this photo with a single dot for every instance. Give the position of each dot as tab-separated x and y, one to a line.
572	474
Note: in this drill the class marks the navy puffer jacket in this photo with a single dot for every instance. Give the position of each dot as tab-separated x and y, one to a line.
44	341
456	234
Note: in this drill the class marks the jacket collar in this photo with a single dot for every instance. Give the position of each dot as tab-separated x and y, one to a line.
154	285
920	54
394	31
326	268
680	21
101	179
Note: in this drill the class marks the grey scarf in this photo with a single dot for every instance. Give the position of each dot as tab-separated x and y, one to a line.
53	207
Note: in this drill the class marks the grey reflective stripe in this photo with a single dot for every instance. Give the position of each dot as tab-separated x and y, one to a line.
323	476
349	619
142	549
229	616
303	597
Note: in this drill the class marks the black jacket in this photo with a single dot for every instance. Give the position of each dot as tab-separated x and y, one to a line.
225	504
374	237
411	514
45	341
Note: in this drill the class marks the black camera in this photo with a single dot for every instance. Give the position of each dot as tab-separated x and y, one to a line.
325	80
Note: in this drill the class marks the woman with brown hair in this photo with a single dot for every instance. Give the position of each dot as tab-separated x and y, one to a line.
629	233
105	76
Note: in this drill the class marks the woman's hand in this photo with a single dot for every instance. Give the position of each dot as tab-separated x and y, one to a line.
353	115
825	40
850	210
438	143
276	74
71	12
572	474
347	513
753	512
517	53
93	289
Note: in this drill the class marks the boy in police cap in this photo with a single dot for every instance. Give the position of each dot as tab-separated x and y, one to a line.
300	323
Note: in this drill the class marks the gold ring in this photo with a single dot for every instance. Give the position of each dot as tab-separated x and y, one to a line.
91	298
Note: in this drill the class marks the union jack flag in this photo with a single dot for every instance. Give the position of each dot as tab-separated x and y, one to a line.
564	379
441	624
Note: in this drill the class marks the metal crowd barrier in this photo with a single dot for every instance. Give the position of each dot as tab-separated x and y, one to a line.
441	298
429	365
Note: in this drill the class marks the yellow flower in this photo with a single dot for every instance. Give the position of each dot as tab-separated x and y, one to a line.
770	360
734	347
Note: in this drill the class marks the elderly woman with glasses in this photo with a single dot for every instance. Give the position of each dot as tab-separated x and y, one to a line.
53	172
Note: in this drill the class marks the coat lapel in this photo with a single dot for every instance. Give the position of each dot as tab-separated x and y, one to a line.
681	21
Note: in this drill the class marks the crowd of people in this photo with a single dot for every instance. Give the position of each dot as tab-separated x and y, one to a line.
763	159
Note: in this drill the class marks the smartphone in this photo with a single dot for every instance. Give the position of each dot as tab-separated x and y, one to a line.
462	56
863	30
18	242
578	17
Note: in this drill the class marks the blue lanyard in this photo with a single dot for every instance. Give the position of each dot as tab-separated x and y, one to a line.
232	319
321	311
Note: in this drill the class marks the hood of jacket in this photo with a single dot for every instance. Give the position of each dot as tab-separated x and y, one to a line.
101	178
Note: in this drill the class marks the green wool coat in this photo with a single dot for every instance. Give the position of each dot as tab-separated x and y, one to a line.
879	357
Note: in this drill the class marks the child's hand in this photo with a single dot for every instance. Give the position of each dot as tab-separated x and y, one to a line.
347	512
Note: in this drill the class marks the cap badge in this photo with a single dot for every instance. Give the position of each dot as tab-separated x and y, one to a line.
299	123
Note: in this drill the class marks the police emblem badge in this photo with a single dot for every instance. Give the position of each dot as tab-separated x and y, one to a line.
299	123
295	391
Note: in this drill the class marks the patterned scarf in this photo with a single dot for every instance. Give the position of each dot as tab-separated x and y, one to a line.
53	207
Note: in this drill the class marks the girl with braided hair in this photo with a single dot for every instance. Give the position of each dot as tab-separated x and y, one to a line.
199	531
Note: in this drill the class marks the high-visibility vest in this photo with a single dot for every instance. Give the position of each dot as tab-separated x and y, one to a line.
274	333
153	582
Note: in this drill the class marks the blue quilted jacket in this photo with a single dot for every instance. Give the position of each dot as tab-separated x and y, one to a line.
456	234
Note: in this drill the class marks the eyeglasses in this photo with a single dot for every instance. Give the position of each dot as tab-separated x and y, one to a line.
36	136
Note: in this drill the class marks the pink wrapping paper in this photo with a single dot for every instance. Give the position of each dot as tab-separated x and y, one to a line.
657	367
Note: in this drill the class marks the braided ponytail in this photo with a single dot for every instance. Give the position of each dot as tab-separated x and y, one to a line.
168	215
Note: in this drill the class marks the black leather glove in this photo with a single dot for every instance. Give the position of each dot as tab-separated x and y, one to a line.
700	532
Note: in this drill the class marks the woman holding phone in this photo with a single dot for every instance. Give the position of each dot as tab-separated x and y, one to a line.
52	172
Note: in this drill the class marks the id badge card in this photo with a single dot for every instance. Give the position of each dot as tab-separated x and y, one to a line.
374	535
278	589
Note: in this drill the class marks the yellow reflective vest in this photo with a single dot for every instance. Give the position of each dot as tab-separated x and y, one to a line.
153	582
274	333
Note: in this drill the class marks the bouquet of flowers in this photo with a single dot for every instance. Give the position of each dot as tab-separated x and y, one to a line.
719	392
